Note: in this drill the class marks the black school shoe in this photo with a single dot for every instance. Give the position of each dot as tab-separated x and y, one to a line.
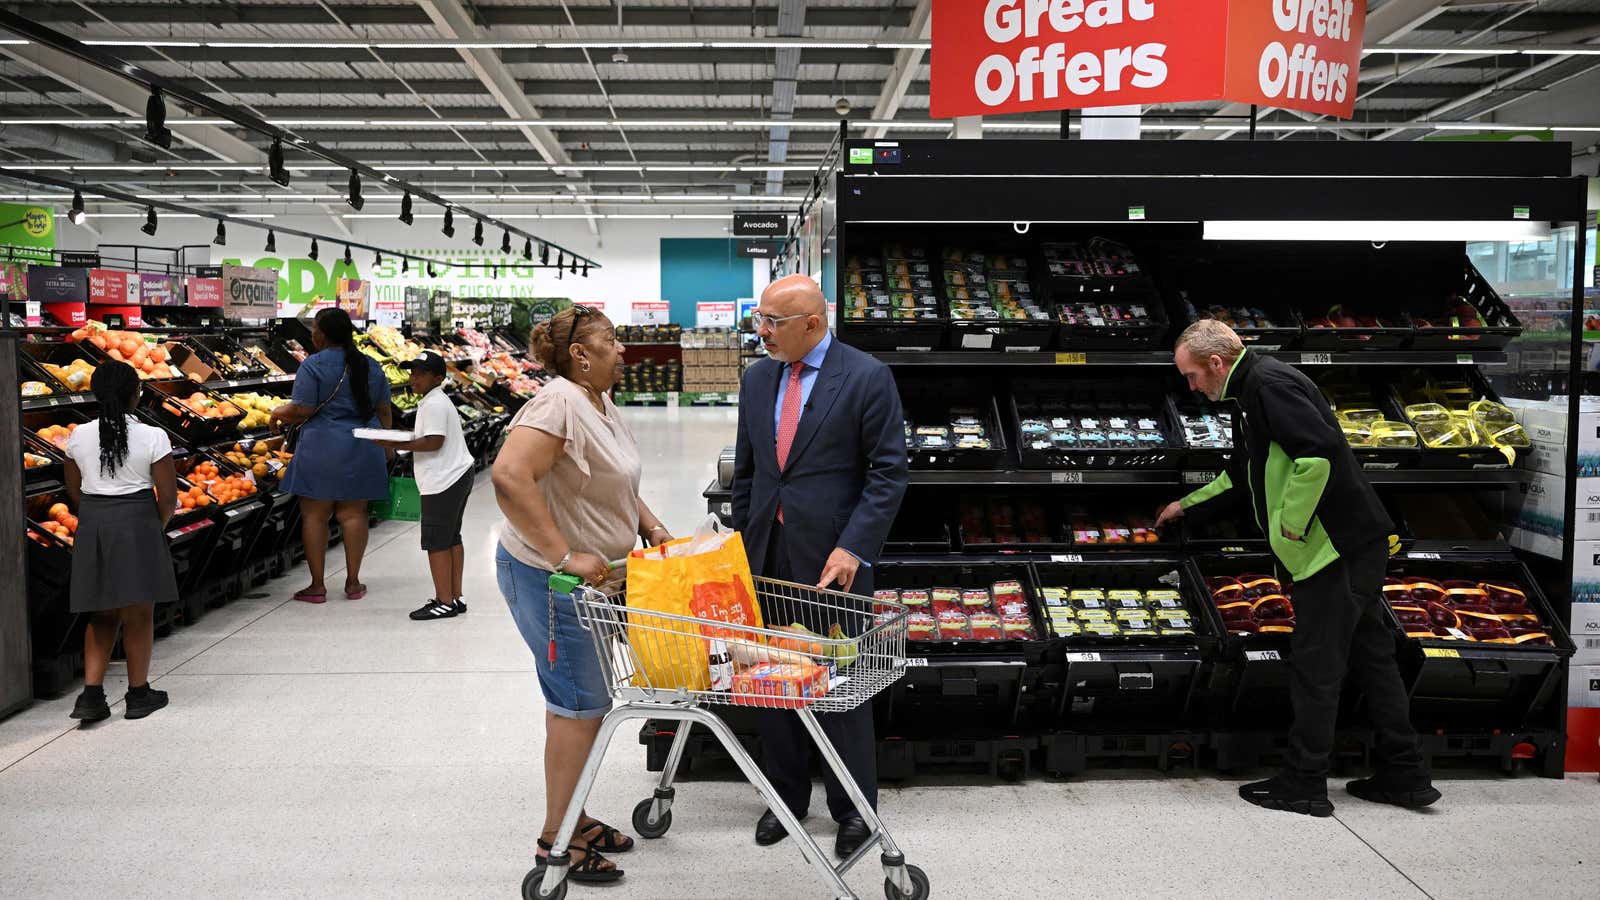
91	708
143	701
433	609
1377	790
1279	793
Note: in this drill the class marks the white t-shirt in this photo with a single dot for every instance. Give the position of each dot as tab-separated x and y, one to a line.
146	444
437	470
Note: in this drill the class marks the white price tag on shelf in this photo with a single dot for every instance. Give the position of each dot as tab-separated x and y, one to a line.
1421	555
1199	477
1316	359
1083	657
1067	557
916	662
1261	655
1066	478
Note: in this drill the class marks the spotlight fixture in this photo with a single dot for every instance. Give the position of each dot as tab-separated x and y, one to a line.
405	208
561	261
272	242
149	226
449	229
477	233
586	268
347	255
155	121
405	265
430	270
355	199
222	234
505	241
493	272
377	257
275	169
313	253
527	249
75	214
544	254
574	269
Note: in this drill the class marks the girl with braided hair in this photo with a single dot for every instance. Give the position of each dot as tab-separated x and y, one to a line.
119	472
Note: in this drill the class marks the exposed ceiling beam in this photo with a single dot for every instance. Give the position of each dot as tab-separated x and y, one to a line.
907	62
679	56
533	87
727	15
785	75
127	98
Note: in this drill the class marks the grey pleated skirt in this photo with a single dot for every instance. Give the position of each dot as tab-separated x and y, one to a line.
120	555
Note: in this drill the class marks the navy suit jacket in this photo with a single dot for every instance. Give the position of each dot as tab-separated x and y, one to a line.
846	471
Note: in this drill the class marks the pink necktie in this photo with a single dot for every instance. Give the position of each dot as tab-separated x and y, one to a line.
789	420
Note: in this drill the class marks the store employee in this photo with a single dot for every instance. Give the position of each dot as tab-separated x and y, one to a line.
1329	533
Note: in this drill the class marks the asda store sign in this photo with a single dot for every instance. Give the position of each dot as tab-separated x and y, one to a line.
1000	56
304	283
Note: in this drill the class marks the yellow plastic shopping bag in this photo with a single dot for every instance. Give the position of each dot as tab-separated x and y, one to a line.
706	577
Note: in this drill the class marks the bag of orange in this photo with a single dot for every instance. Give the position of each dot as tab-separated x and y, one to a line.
705	577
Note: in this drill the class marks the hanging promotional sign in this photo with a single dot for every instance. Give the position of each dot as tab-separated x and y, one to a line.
27	233
1003	56
205	292
159	290
352	294
249	293
57	284
112	288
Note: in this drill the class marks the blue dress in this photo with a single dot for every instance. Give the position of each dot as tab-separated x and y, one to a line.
329	462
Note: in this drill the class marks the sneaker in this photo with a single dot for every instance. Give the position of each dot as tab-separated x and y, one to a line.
1278	793
1376	790
143	703
91	708
434	609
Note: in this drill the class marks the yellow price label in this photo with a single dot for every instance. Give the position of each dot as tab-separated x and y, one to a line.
1072	359
1441	653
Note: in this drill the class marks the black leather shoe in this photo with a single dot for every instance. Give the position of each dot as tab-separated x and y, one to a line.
852	834
1279	793
1409	796
769	830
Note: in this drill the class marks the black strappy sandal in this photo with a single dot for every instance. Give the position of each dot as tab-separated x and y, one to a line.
611	840
586	870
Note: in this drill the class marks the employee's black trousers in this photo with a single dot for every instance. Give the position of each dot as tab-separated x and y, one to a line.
786	747
1340	630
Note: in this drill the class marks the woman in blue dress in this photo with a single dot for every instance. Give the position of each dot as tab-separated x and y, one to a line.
334	474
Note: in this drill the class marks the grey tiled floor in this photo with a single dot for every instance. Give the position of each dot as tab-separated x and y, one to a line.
344	751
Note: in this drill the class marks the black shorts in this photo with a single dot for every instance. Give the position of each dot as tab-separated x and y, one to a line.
442	513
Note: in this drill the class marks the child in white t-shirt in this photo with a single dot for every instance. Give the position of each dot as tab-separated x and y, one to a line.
443	467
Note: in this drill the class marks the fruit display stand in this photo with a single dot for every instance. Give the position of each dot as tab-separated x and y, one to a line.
1098	408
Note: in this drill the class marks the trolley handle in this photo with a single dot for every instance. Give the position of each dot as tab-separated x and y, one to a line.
567	583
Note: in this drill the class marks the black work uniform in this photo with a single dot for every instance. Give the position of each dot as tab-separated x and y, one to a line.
1300	476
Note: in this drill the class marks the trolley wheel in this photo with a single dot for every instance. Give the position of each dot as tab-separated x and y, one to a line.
919	886
641	821
531	882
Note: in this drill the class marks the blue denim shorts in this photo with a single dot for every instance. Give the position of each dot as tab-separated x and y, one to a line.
574	686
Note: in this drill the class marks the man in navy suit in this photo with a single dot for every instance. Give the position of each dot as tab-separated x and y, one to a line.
818	477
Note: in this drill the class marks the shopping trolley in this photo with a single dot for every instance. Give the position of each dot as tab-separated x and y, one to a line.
864	655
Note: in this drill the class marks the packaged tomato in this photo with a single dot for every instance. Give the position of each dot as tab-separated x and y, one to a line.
1013	607
1016	627
946	598
976	599
985	626
914	599
1006	590
921	627
954	626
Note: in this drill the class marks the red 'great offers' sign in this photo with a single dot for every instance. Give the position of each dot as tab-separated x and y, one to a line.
1000	56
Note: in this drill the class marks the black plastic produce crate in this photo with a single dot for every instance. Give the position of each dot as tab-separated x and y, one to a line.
921	527
35	419
1071	753
227	356
981	526
1436	328
932	402
34	354
1102	401
1472	684
1149	332
1196	456
1478	458
996	754
1124	682
1230	534
902	575
1445	523
1262	324
1379	328
51	470
160	401
1002	334
1249	686
1373	458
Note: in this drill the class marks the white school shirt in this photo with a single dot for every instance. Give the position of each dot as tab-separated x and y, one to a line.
146	445
437	470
